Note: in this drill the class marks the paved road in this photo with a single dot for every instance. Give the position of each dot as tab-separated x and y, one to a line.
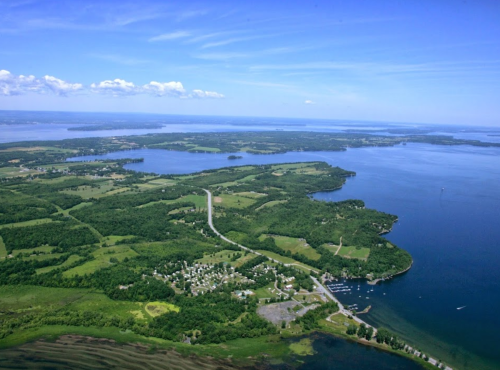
320	286
210	223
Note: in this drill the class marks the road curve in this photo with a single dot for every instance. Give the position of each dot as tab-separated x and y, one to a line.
320	286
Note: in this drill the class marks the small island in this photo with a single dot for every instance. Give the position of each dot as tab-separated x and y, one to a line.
234	157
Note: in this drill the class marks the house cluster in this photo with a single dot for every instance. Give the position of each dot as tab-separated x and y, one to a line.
202	277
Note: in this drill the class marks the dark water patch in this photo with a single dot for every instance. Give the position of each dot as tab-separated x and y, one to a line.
333	353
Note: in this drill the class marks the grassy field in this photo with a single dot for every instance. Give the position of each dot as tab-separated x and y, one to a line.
159	308
200	201
3	250
116	191
354	252
233	201
268	291
15	171
102	256
294	245
331	247
112	239
233	183
251	194
28	223
270	204
287	260
27	298
163	182
42	257
87	192
73	258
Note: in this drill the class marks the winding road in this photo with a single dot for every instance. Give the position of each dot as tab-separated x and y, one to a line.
320	288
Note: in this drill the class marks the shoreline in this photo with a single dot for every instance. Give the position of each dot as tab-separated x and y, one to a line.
376	281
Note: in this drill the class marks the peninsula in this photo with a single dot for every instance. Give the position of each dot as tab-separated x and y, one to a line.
96	250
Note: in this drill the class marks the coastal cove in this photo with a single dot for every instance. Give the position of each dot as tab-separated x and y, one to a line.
450	234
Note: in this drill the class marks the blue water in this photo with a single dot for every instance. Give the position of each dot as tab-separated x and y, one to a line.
452	235
338	354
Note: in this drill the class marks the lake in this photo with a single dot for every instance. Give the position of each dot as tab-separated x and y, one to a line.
452	234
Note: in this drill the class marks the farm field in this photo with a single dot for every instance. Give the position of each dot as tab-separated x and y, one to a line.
354	252
233	201
294	245
287	261
102	260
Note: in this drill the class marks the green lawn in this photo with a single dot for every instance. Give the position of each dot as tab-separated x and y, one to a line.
234	201
354	252
102	256
268	291
294	245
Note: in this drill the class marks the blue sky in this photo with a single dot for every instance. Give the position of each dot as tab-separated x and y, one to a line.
406	61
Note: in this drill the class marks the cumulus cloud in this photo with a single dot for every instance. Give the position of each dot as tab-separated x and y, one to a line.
60	87
11	84
116	87
164	88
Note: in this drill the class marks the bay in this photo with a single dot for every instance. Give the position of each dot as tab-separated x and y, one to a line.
452	234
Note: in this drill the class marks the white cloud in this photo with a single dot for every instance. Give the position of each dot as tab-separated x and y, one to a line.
170	36
116	87
206	94
60	87
309	102
165	88
11	84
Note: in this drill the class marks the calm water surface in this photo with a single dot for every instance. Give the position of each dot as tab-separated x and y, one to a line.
452	234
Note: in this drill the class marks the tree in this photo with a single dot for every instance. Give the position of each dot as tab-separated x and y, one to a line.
369	333
362	331
352	329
